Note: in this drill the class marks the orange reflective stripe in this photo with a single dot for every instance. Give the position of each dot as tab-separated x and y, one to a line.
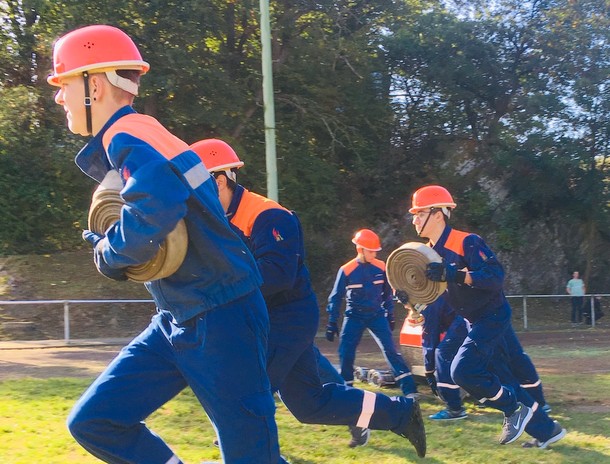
455	241
379	263
250	207
350	266
150	131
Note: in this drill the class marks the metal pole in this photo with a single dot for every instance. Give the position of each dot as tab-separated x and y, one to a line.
66	322
524	312
267	69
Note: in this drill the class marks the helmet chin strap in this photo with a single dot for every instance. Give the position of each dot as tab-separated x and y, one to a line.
360	251
88	103
432	211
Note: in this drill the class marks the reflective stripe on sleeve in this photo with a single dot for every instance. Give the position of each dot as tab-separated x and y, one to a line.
197	175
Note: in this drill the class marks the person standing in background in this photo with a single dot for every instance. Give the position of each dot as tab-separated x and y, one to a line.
369	304
576	289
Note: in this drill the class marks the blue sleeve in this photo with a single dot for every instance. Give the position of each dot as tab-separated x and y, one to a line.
388	297
335	299
155	200
483	266
275	242
431	335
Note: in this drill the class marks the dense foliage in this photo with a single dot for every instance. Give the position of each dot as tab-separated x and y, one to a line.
506	103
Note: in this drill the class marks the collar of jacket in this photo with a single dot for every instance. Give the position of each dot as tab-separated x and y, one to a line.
92	158
442	239
235	200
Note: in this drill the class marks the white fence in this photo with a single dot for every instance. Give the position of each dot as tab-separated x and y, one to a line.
549	311
106	318
535	312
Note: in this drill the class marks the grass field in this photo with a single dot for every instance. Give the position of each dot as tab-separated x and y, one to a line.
33	412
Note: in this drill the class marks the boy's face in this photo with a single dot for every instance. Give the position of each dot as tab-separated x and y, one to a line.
71	95
368	255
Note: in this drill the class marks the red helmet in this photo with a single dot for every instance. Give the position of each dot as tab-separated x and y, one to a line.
217	155
367	239
96	48
431	196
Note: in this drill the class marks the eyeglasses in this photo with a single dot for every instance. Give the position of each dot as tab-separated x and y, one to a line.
421	215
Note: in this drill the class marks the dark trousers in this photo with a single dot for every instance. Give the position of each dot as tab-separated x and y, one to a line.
577	302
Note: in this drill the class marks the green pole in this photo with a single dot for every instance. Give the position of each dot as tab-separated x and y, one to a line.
269	120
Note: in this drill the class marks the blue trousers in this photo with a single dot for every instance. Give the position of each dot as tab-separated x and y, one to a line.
220	354
446	350
377	324
541	425
328	372
293	372
470	367
523	368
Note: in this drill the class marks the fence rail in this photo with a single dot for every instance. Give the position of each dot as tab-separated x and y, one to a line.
66	307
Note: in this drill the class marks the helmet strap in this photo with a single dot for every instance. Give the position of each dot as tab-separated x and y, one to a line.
88	103
432	211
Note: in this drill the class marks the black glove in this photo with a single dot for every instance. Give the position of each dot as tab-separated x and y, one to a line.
443	272
391	321
98	259
402	296
431	379
331	331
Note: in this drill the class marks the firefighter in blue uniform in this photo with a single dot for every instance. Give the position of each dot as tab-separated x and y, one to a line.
438	319
369	304
475	280
275	238
211	320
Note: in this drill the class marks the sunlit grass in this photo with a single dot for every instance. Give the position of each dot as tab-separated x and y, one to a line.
33	412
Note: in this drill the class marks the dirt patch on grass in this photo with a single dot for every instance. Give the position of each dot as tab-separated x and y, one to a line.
54	359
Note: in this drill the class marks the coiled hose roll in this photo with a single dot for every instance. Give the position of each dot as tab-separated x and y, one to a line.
406	270
105	210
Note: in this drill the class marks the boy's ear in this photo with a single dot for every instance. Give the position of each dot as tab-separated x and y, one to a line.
221	181
97	86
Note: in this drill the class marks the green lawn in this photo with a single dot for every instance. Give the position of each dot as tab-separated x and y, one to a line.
33	412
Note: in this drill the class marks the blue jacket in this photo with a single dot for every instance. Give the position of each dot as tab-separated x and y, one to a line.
163	182
469	251
439	317
274	236
365	288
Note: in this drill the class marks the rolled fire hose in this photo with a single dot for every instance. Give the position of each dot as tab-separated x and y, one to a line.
105	210
406	270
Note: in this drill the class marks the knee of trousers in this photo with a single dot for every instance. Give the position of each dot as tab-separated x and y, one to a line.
307	405
84	427
460	374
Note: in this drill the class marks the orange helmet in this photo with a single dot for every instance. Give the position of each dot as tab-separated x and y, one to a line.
96	48
367	239
217	156
432	196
